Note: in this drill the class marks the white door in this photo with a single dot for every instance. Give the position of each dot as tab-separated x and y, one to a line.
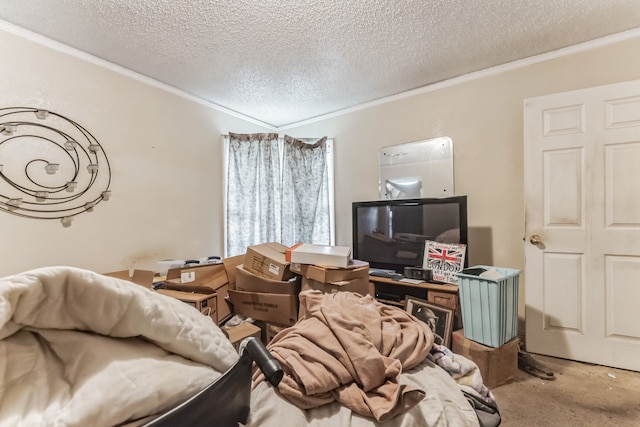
582	244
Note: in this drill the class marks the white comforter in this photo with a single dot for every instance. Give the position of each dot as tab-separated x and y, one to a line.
81	349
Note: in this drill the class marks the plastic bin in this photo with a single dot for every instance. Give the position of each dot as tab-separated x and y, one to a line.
489	307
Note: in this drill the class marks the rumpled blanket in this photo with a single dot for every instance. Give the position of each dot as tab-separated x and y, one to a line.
464	371
81	349
351	349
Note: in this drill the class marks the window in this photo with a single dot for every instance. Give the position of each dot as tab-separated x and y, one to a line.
277	190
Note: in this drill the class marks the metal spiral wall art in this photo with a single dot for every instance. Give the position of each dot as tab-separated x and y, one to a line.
50	166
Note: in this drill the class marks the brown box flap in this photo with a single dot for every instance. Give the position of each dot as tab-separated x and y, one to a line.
225	310
244	330
360	286
230	265
324	274
140	277
211	276
186	296
248	282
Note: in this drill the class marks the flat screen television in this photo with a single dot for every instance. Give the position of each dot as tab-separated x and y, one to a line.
391	234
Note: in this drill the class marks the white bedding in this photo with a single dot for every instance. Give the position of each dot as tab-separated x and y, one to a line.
81	349
444	405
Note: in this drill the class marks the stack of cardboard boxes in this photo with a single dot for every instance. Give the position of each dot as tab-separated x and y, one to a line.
265	288
489	305
262	284
354	278
267	283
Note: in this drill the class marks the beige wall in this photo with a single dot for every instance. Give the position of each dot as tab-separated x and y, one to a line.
484	117
166	155
166	159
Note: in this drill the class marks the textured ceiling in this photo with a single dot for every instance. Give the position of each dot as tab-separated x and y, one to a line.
285	61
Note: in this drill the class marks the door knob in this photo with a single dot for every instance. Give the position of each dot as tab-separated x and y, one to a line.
535	239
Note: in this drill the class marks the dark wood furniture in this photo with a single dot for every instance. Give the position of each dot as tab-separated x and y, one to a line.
394	292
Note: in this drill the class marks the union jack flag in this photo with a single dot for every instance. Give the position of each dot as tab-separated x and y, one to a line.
444	259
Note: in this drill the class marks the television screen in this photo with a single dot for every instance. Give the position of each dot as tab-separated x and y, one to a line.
391	234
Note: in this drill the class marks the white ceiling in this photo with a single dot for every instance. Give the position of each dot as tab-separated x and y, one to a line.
285	61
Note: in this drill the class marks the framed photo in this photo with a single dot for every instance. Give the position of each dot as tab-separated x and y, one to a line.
439	318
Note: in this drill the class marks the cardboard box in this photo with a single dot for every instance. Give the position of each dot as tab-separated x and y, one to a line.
281	309
360	286
498	365
248	282
139	277
165	264
204	303
223	305
268	260
298	268
209	276
325	274
309	253
230	265
244	330
272	331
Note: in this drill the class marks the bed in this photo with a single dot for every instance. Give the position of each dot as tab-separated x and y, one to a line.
79	348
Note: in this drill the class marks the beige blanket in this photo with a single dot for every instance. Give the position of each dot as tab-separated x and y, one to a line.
351	349
81	349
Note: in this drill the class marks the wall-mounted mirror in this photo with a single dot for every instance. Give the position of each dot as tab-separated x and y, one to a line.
416	169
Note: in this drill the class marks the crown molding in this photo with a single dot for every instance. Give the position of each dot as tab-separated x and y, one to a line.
521	63
570	50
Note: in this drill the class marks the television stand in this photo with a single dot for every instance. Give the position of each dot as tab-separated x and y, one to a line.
394	292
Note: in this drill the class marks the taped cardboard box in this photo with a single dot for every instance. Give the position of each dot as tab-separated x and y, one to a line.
205	303
208	278
325	274
139	277
268	260
249	282
360	286
211	276
298	268
498	365
223	305
239	332
280	309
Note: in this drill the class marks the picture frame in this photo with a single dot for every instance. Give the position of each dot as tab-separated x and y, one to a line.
445	260
438	317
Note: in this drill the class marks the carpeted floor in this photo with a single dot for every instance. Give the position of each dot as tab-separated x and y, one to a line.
581	395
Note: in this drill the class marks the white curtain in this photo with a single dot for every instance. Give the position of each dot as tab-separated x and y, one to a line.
272	202
305	192
253	191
